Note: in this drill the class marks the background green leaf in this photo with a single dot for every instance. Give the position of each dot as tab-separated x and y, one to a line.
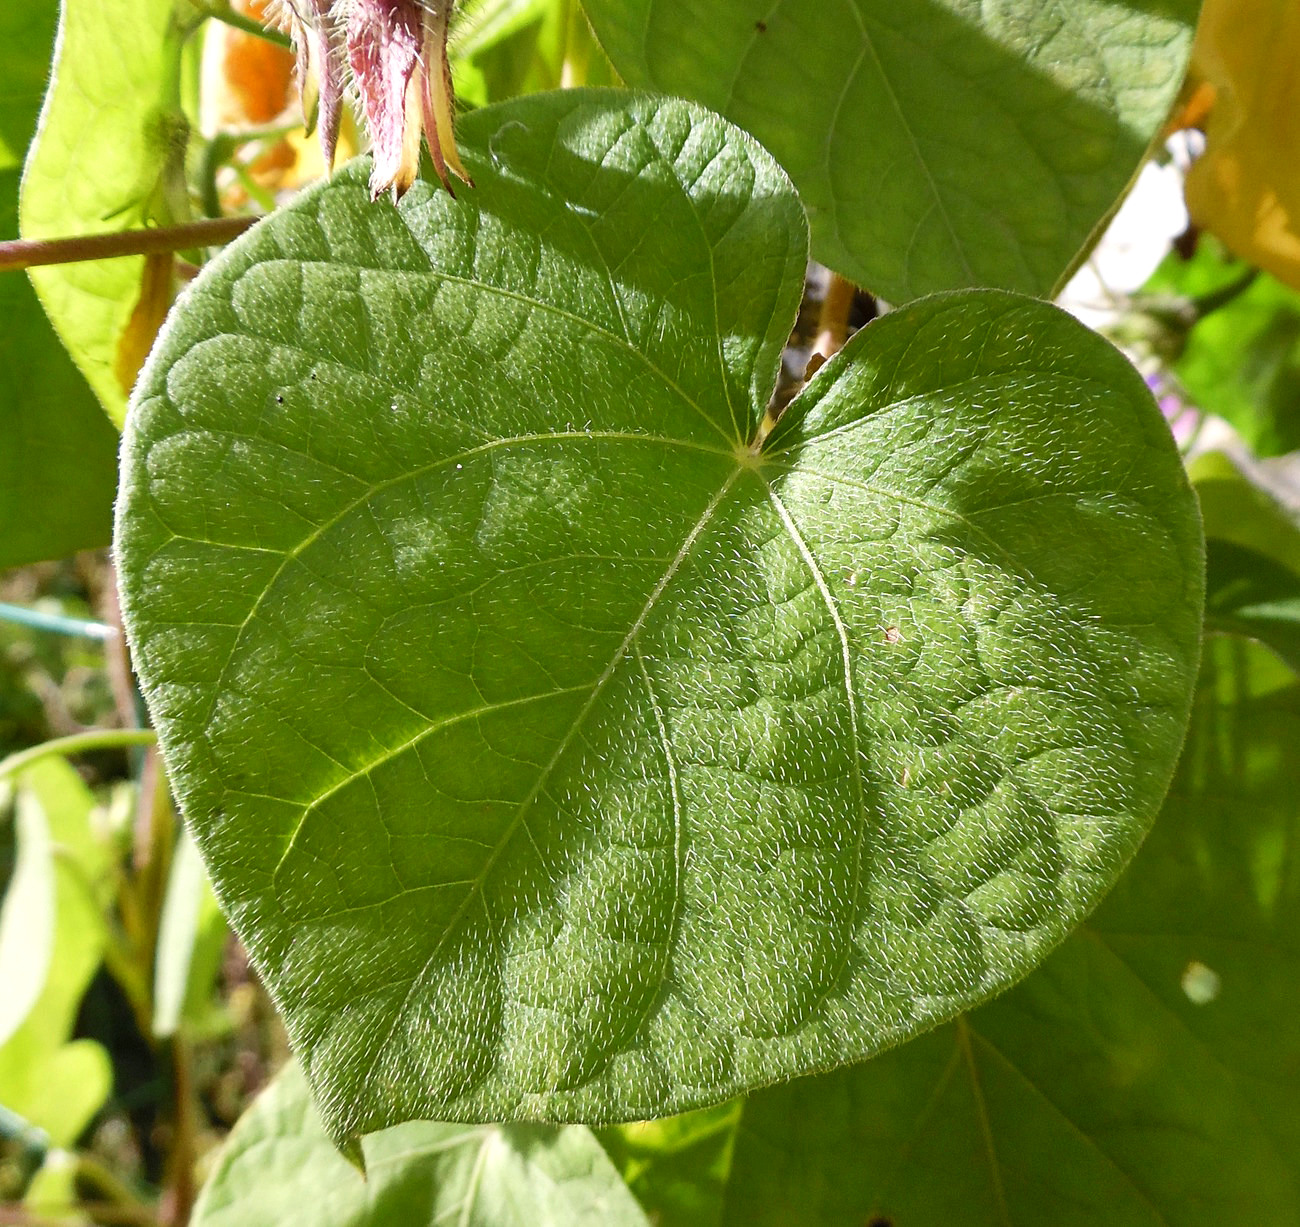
26	41
279	1166
1233	337
109	156
51	1196
54	1084
1251	513
503	48
678	1167
605	767
1248	593
58	452
935	143
192	937
1248	502
1147	1073
58	455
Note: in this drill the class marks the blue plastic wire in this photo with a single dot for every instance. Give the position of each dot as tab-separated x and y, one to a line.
56	623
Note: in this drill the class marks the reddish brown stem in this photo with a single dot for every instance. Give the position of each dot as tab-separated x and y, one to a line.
210	232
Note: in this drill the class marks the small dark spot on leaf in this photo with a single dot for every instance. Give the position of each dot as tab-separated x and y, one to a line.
881	1222
279	400
761	27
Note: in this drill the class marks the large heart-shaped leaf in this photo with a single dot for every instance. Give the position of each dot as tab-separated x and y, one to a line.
936	143
560	746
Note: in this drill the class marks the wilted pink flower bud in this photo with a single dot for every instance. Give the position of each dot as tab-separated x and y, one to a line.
397	50
311	25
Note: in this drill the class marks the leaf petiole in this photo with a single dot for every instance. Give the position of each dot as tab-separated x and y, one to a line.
31	253
77	743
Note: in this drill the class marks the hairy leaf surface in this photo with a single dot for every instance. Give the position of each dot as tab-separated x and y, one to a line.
1146	1074
279	1166
937	143
559	751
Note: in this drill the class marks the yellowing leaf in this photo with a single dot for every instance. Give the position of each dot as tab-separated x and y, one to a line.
1246	189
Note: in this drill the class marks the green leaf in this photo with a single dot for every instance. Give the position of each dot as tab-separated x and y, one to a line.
191	939
1147	1074
58	457
1251	503
678	1168
26	916
558	751
1235	334
1247	593
51	1196
55	1085
109	156
279	1166
26	39
936	143
1251	512
504	48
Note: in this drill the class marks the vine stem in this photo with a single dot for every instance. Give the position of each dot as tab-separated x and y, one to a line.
209	232
230	17
77	743
833	323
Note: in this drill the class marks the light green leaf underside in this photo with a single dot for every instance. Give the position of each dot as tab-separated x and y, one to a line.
556	757
54	1083
192	938
279	1166
58	455
1145	1075
110	129
937	144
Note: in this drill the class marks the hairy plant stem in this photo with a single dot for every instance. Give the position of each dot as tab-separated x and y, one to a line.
30	253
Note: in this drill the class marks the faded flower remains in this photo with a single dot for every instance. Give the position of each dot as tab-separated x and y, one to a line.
396	51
